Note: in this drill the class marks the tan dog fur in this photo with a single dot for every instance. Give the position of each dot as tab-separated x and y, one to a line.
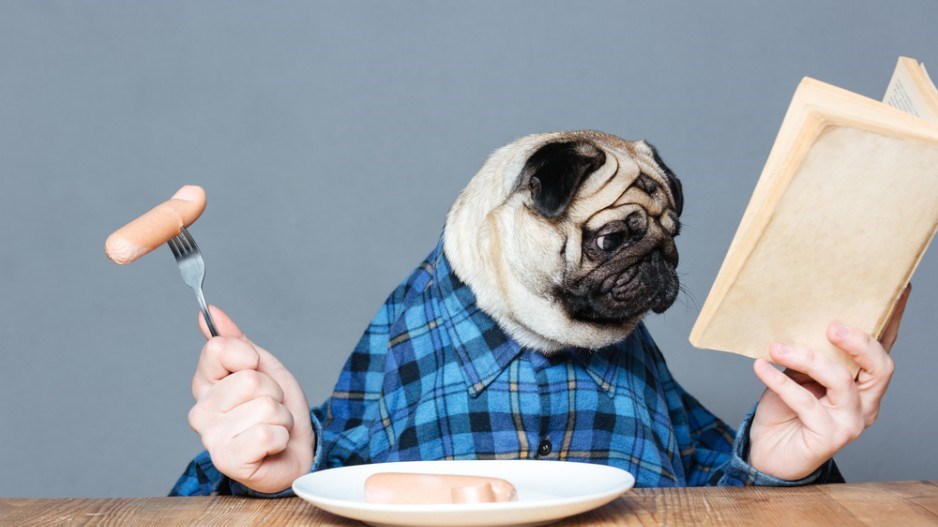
513	258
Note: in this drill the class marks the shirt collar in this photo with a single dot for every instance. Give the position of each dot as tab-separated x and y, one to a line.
484	350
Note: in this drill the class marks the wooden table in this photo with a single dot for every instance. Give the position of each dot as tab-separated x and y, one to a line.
905	504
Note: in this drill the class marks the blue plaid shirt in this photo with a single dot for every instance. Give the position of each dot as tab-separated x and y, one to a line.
433	377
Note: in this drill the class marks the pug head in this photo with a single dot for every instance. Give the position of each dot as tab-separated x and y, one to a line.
567	239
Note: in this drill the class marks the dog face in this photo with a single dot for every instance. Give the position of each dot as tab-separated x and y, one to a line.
567	239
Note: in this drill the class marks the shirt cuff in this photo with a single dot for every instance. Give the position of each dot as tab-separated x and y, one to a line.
237	489
740	472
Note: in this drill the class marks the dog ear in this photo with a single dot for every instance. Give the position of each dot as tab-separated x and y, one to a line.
555	171
673	182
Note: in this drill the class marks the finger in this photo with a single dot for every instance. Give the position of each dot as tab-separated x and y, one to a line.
797	376
867	352
806	382
891	333
800	400
262	410
222	356
223	323
839	381
876	366
239	388
240	457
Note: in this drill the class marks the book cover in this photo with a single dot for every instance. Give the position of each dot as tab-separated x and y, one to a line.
845	207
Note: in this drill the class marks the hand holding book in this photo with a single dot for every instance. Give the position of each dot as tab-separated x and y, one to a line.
817	406
840	218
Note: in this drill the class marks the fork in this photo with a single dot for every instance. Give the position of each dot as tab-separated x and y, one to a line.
192	269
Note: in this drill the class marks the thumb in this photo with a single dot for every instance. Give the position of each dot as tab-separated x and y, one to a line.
223	323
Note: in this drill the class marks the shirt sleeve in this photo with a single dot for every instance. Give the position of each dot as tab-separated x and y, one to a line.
720	456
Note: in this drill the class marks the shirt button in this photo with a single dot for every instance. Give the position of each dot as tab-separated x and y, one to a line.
544	448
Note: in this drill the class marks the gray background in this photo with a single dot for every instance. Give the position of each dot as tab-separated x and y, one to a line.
331	139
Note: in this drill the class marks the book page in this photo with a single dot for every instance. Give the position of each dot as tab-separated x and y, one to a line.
826	236
841	246
912	91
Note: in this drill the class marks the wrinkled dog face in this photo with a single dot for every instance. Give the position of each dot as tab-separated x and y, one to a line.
627	257
567	239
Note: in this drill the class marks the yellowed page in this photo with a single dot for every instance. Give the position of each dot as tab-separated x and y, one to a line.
843	212
912	91
814	106
824	258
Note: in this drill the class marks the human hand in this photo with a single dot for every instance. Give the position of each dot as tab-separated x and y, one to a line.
250	411
817	406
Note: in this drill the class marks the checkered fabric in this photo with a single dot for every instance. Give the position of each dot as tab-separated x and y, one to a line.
433	377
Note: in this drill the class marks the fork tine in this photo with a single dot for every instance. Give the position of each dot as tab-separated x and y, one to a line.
172	246
183	246
192	269
189	238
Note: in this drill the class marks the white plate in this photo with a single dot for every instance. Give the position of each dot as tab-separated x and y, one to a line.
547	492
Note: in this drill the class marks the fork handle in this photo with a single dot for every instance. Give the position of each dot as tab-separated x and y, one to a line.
208	316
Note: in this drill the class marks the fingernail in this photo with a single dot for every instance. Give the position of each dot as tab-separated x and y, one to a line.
840	330
782	349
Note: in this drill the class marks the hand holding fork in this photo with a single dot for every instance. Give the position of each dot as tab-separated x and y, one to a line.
266	440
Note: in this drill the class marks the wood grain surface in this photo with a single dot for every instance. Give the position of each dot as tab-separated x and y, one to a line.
895	503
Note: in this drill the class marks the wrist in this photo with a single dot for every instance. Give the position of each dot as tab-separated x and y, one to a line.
740	471
765	462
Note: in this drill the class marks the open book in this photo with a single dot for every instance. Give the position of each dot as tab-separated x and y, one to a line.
842	214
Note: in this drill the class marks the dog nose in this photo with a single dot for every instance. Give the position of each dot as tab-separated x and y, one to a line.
637	223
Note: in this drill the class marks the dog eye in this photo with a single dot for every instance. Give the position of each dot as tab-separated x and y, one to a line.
610	242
